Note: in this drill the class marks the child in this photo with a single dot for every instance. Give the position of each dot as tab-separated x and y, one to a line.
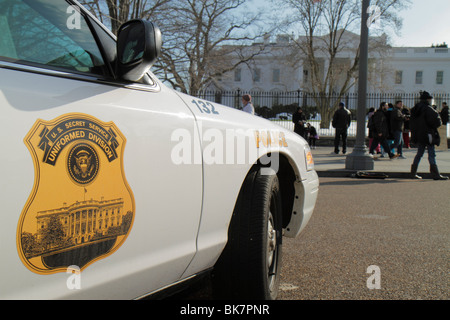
311	133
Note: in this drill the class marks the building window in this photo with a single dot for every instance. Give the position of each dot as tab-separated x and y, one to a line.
276	75
305	76
256	75
419	76
237	75
440	77
398	77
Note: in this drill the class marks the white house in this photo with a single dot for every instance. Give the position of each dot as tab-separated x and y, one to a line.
402	70
420	68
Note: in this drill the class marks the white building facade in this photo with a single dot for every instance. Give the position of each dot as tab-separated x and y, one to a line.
398	70
420	68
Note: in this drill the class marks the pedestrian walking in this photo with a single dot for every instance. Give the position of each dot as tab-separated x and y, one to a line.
397	125
247	104
381	130
390	137
424	124
341	121
406	129
370	127
299	120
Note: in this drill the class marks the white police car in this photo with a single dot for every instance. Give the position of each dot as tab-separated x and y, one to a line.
115	186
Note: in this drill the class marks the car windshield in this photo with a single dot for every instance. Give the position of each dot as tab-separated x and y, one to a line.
48	32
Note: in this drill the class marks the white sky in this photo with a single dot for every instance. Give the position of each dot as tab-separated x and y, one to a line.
425	22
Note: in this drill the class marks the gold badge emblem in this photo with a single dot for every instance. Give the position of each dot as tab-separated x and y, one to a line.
82	163
81	208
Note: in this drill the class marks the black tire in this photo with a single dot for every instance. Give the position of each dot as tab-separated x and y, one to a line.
250	264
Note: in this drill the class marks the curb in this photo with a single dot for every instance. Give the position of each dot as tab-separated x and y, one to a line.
351	173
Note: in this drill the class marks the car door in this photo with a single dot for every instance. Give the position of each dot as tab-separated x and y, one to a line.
96	208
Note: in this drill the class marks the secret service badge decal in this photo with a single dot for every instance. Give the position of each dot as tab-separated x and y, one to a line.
81	208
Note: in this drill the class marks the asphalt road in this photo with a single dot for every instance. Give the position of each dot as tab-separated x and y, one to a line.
400	226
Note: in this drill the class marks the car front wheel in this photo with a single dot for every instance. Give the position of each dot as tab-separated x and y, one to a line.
250	264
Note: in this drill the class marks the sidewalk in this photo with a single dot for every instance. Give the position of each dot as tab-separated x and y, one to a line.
328	164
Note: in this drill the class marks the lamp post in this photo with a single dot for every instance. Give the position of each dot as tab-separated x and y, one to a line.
360	159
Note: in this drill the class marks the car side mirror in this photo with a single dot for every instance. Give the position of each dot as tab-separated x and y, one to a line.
138	47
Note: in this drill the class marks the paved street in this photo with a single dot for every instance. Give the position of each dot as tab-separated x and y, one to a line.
328	164
398	224
401	226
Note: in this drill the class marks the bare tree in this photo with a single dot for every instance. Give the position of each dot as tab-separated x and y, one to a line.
114	13
200	36
326	40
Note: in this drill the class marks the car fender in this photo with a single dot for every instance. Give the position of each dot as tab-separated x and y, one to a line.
229	143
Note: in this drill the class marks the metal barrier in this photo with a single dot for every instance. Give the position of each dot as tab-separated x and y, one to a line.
327	132
275	105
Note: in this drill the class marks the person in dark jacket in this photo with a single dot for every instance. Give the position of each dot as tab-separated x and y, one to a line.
406	129
370	127
311	134
424	124
390	137
397	125
380	130
444	113
341	121
299	120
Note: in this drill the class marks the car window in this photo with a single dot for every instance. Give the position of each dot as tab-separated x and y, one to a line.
50	33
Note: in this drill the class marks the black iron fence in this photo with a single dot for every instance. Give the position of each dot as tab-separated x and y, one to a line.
278	106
